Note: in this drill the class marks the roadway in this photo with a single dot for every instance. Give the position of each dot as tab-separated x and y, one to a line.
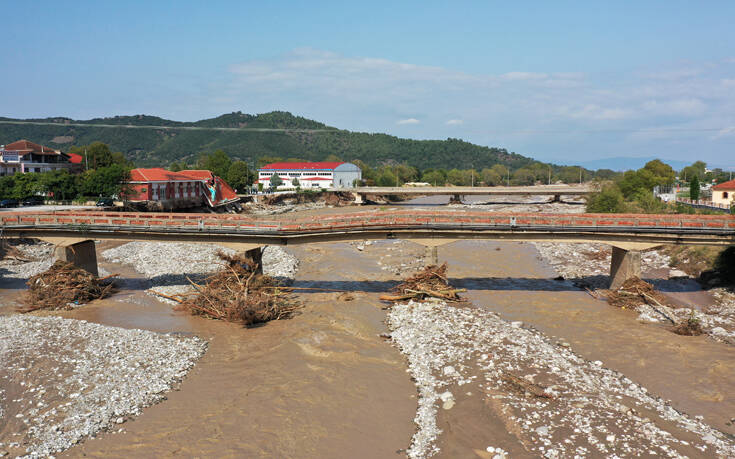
434	227
544	190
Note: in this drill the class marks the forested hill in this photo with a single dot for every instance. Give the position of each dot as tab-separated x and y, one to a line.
144	140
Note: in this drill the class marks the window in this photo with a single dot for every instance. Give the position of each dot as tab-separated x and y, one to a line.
724	195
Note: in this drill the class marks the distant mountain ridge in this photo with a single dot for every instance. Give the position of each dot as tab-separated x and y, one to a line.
159	147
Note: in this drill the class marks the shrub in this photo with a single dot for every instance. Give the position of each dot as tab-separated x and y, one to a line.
608	200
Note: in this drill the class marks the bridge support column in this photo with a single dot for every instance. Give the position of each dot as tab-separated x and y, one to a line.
359	198
455	199
256	255
432	255
556	198
81	254
625	264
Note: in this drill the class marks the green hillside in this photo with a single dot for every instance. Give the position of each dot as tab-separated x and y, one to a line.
143	141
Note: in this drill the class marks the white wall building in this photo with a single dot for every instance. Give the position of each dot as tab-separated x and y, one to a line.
311	175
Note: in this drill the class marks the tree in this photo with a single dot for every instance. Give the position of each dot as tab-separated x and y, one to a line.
523	176
664	173
275	181
98	154
608	200
59	182
387	178
175	167
263	160
104	181
491	177
694	188
218	163
433	177
238	176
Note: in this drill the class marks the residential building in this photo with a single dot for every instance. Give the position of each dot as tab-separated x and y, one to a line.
724	193
172	190
312	175
24	156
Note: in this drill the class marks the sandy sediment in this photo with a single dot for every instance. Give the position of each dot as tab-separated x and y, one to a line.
66	380
554	403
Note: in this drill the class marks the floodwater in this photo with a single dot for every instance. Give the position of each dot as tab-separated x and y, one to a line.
694	372
325	384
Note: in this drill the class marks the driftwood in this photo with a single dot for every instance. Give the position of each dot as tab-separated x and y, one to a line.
525	386
429	283
238	294
64	284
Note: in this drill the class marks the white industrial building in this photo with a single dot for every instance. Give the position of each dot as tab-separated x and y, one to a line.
311	175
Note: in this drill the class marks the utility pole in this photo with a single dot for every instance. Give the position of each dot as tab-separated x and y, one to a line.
508	180
473	175
580	175
549	174
86	161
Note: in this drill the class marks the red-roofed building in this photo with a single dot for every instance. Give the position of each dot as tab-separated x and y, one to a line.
724	193
311	175
173	190
25	156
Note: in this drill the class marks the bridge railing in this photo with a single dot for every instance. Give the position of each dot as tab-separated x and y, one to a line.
364	220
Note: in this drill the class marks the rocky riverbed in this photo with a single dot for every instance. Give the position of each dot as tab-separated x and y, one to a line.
168	265
553	403
65	380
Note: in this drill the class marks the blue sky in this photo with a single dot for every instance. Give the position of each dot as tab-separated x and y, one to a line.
558	81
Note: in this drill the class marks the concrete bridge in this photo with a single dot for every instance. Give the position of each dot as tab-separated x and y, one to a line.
456	192
628	234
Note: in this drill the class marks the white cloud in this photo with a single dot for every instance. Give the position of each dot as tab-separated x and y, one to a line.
526	110
408	121
524	76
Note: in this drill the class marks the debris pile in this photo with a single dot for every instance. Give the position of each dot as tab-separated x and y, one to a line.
63	286
689	327
634	292
431	282
239	293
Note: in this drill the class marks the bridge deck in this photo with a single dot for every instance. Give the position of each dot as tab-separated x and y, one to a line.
466	190
408	224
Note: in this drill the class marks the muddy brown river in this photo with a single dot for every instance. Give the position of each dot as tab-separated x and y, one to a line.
325	383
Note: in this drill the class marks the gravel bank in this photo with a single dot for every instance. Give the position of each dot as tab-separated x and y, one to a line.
167	264
40	256
68	379
585	410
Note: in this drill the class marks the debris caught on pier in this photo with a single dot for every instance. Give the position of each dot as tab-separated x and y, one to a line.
239	293
634	292
431	282
64	286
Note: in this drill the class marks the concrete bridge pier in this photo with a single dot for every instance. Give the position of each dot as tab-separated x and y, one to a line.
455	199
359	198
556	198
252	251
81	254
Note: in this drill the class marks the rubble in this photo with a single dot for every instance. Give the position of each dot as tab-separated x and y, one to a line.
64	286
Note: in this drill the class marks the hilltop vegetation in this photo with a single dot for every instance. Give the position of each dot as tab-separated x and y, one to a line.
186	142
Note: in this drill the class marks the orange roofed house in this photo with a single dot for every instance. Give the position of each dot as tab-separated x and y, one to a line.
724	193
161	189
25	156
